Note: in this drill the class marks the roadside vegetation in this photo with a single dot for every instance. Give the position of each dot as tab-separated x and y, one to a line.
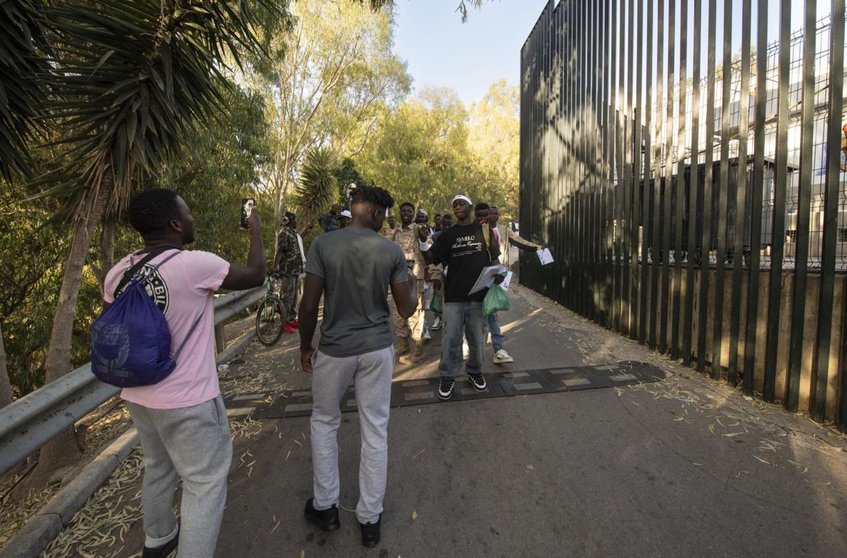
285	101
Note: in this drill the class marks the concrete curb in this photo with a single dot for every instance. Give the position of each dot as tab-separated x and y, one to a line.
48	522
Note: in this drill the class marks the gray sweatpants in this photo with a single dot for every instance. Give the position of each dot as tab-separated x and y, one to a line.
192	444
371	373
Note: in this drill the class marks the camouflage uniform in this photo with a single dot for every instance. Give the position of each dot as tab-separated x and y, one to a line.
411	328
288	263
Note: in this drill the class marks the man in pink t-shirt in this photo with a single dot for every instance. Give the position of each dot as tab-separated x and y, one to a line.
181	420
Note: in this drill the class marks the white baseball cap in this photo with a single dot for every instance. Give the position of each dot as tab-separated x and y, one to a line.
346	213
463	198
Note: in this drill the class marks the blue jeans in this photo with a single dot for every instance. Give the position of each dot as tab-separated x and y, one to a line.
494	328
462	317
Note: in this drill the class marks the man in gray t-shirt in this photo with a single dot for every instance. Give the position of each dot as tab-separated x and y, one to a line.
353	269
357	266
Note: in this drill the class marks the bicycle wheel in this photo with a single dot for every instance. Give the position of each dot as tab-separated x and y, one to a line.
270	319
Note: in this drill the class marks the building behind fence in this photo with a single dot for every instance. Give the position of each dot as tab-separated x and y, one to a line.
674	199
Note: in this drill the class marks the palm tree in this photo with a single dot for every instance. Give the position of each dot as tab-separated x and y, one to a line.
130	81
317	187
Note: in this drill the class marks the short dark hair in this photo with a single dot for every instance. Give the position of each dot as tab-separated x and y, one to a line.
407	204
372	195
437	215
494	209
480	206
151	210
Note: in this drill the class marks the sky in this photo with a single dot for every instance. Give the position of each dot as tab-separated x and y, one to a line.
468	57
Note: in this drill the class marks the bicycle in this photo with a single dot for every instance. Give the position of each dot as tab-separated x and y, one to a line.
271	317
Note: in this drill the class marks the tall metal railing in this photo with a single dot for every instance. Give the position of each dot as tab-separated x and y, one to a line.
686	168
31	421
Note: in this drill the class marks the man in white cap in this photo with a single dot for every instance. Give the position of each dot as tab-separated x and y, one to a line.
422	218
505	237
344	218
466	249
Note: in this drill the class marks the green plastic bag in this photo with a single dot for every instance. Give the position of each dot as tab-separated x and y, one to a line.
496	299
436	305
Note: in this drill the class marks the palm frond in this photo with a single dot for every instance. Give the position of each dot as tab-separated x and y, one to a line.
317	186
22	60
136	79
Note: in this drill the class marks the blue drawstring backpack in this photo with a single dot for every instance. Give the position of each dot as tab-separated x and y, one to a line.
131	340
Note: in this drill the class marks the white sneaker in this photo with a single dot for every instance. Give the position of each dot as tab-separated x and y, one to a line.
502	357
426	335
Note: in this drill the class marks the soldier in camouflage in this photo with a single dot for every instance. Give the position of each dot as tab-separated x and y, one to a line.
288	264
409	331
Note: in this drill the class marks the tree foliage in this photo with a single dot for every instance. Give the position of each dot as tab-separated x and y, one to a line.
463	8
494	140
334	75
219	168
432	148
127	83
420	153
347	173
99	99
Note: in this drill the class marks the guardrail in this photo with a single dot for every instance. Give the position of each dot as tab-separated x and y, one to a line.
31	421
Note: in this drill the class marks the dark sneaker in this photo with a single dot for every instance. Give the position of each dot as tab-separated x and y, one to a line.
161	551
370	533
445	388
477	381
325	520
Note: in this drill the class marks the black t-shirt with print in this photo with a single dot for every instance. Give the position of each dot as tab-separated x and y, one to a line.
462	248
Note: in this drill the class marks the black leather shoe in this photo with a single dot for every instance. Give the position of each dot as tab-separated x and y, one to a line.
325	520
370	533
161	551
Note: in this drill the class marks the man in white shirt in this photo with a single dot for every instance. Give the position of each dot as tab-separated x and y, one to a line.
504	235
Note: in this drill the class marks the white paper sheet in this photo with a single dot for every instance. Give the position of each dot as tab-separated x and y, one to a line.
544	256
486	278
507	281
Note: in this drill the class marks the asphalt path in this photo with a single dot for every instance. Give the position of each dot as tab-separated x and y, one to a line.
680	467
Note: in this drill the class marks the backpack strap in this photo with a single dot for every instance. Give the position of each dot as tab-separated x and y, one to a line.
184	341
130	273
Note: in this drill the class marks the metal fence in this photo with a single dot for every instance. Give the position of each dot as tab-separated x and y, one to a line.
686	169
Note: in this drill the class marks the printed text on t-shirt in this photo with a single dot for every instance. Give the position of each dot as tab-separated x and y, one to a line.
466	246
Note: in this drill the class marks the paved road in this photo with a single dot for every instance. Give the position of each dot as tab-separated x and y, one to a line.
682	467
